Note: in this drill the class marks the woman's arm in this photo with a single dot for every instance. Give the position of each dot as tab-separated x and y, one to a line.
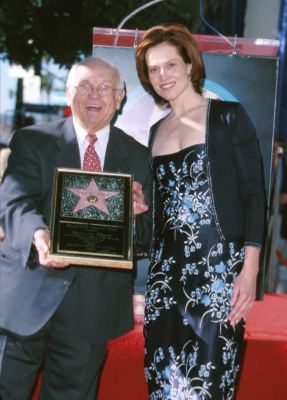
249	169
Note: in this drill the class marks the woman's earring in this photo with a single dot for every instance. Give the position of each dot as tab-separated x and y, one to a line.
189	73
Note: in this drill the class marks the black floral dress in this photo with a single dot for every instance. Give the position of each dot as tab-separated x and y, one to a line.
191	350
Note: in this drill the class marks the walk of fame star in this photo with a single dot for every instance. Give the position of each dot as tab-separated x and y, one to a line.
92	196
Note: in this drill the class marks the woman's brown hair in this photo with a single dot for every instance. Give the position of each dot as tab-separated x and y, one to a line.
180	37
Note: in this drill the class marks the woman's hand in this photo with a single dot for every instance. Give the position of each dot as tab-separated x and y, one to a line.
138	199
244	292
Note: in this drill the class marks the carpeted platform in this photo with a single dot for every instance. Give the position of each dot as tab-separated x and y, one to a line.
264	373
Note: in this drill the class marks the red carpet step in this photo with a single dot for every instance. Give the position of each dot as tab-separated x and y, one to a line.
264	373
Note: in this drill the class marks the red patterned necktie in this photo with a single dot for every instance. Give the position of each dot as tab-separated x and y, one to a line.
91	158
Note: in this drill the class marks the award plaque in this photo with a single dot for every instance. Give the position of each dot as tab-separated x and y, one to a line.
92	218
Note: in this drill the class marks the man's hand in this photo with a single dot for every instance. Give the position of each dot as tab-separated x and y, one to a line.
41	242
138	199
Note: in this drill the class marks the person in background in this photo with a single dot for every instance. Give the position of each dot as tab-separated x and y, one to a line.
4	155
283	202
279	151
56	315
283	194
209	213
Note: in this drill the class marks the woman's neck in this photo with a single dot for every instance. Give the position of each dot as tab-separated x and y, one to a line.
181	106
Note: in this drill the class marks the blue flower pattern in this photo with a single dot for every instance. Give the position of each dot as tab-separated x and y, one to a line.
191	351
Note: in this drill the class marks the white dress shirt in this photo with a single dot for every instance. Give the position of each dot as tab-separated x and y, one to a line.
100	145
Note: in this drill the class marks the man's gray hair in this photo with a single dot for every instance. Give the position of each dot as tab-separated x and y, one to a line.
90	60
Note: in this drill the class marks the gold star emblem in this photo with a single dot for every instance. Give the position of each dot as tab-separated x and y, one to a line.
92	197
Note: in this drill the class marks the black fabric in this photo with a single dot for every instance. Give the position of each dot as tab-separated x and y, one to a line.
191	350
235	171
69	360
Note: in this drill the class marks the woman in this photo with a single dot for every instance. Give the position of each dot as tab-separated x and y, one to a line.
208	226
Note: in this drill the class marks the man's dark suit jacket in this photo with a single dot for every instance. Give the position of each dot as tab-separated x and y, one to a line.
29	292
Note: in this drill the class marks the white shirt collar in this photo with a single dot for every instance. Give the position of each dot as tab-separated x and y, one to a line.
100	145
102	134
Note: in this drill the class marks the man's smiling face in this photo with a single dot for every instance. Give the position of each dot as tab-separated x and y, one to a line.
93	94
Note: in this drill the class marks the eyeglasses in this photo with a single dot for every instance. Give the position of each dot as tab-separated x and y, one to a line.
103	89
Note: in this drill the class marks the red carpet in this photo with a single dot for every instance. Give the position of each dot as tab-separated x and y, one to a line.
264	373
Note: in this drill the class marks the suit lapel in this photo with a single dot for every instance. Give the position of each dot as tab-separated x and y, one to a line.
116	159
68	155
116	153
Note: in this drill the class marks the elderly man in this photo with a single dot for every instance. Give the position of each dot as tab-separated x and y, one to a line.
52	314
